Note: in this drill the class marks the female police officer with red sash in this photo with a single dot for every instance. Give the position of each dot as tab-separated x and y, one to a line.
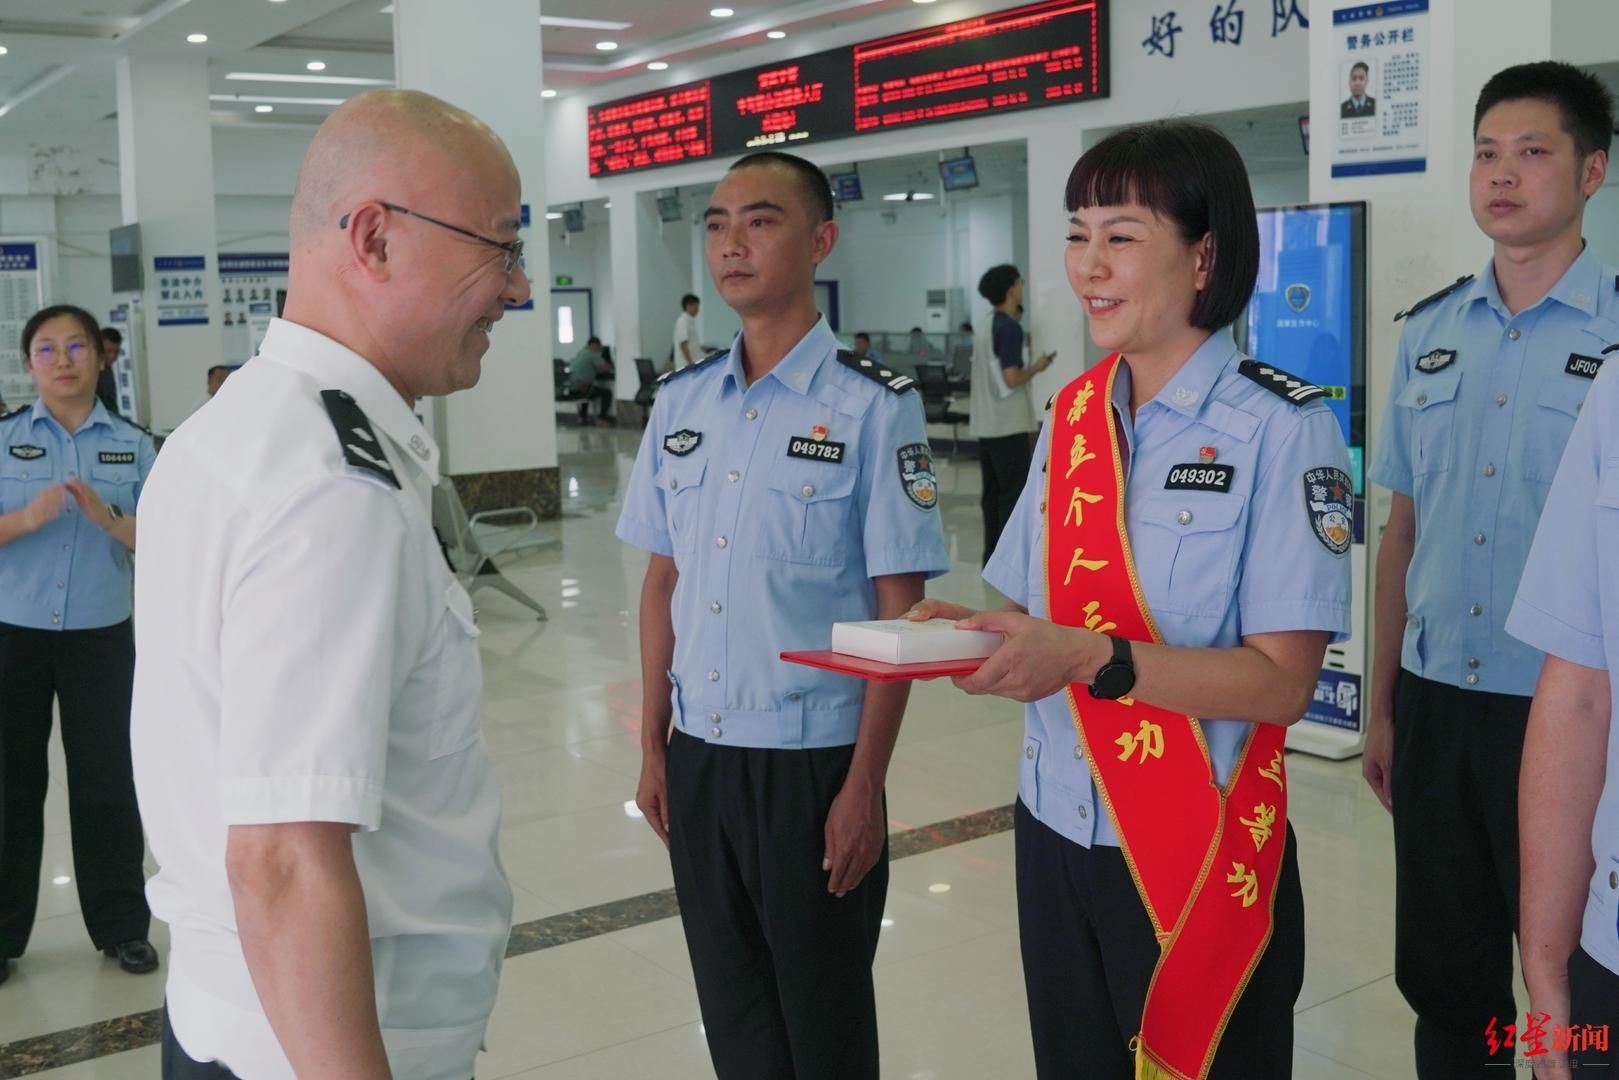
1176	566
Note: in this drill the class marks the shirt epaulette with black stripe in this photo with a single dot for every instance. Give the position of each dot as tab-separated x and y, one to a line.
144	431
361	448
1052	400
1285	386
871	369
1435	298
704	362
14	414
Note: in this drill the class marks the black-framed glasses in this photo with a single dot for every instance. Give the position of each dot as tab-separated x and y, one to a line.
512	249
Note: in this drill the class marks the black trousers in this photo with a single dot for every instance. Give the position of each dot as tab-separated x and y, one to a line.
783	967
1003	464
178	1065
1594	1001
1455	787
1089	954
90	674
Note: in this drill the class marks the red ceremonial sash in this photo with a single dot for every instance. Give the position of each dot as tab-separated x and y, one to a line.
1204	859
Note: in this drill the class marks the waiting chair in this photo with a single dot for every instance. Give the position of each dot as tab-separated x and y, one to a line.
471	544
934	382
648	390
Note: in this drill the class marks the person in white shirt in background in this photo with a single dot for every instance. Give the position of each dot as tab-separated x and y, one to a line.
688	347
306	722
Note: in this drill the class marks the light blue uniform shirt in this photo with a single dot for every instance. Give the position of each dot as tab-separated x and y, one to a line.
1214	566
1568	605
777	534
70	575
1481	405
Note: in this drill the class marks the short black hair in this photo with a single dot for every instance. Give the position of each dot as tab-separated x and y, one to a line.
87	322
812	182
1190	174
1361	65
1585	104
111	333
226	368
690	298
861	334
593	340
997	282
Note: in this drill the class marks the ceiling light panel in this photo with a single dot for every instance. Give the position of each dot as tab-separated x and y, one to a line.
562	22
322	80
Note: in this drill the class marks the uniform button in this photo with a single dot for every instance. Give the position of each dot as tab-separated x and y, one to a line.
1512	334
1042	506
58	584
716	607
1422	399
1413	620
1079	751
1184	517
713	718
1475	610
64	547
1489	470
794	696
714	732
733	476
720	542
1084	812
713	676
1472	661
1478	538
1472	678
752	414
809	489
1500	399
1028	753
1613	879
674	485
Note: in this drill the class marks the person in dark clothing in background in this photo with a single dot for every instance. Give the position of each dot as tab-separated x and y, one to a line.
112	343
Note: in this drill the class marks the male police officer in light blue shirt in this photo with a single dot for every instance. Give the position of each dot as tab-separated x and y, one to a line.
1568	607
780	488
1488	381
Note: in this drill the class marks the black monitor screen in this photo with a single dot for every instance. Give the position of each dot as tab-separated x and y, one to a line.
959	174
845	186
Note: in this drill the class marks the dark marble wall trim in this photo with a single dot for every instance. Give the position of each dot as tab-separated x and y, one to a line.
25	1057
538	489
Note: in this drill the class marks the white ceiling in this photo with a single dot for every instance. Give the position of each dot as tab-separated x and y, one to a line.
58	75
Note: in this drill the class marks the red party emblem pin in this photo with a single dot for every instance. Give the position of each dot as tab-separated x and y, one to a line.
818	432
1206	454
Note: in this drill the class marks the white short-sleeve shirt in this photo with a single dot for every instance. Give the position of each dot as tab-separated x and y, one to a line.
305	654
687	331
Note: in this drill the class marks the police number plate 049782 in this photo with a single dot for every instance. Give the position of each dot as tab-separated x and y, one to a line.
801	446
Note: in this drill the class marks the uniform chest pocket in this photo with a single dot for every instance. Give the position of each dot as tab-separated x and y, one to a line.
807	514
681	481
115	483
455	719
1188	550
1555	412
20	481
1431	401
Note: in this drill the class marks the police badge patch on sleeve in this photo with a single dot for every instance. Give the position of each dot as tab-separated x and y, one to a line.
916	475
1329	499
682	442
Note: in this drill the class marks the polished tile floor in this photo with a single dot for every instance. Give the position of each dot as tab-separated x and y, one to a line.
562	719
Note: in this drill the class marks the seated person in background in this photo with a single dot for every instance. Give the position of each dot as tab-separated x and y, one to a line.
919	348
216	377
586	367
863	349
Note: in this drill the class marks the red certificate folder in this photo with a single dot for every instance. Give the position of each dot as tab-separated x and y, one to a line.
877	671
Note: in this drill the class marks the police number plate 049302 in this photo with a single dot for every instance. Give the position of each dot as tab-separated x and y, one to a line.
1200	478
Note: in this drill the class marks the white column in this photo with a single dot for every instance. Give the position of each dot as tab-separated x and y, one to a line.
1055	320
484	56
166	169
1420	231
624	239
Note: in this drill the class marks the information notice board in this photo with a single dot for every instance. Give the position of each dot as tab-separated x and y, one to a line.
1046	53
22	292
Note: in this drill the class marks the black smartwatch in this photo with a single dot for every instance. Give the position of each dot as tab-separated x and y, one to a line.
1117	677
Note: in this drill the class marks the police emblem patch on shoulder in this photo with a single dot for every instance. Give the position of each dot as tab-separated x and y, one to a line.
682	442
1329	500
27	453
1437	360
1280	383
361	450
916	475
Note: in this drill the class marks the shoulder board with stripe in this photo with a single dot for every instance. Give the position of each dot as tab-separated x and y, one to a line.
120	418
14	415
1435	298
704	362
876	372
1289	387
1052	400
361	448
1611	348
